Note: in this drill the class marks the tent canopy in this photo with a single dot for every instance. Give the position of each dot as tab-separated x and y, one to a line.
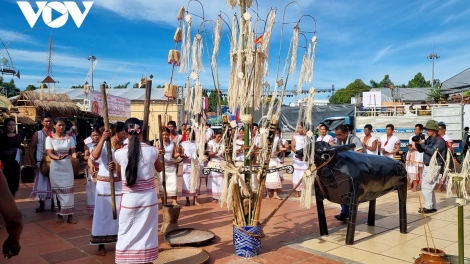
457	83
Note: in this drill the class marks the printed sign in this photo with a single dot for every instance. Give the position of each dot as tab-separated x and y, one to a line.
119	108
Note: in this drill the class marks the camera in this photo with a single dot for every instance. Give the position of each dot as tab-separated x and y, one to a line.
417	138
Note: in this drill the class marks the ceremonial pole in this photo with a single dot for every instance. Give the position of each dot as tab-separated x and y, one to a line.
104	111
148	92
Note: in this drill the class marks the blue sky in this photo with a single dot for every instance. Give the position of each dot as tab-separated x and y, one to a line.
356	39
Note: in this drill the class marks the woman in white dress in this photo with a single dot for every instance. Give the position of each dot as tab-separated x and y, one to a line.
138	214
368	141
324	135
414	161
282	154
91	170
298	143
240	141
170	153
273	179
187	151
60	147
104	229
215	149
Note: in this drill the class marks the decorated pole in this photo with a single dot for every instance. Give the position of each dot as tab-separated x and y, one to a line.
148	92
165	196
104	111
264	168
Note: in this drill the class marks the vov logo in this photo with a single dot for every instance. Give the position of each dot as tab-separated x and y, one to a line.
45	8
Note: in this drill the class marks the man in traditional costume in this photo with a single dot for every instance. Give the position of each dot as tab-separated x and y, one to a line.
389	144
37	150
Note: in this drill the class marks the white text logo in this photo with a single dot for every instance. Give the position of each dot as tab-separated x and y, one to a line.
45	8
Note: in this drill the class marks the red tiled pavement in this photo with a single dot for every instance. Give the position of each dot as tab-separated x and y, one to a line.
46	241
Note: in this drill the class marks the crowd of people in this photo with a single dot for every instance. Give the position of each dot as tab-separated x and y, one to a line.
134	163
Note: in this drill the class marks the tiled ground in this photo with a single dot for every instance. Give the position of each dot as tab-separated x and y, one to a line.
46	241
383	243
292	234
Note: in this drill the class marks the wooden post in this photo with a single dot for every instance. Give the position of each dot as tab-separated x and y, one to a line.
104	112
165	196
148	92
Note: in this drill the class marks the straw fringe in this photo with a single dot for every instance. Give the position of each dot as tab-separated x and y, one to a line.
217	29
295	44
185	47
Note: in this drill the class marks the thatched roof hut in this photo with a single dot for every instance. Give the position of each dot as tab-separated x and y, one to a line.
8	110
33	104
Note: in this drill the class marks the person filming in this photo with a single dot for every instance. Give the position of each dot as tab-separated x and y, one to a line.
428	147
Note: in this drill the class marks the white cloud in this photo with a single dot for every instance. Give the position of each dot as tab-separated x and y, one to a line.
381	53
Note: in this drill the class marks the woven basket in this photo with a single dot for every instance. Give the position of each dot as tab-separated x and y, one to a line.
182	255
188	237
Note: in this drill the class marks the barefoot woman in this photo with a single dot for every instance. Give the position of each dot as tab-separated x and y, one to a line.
170	167
59	147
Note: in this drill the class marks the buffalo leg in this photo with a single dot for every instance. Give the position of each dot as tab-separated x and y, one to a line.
371	215
402	208
321	211
352	221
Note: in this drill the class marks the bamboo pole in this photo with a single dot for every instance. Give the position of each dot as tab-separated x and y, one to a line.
165	195
104	111
148	92
259	198
238	213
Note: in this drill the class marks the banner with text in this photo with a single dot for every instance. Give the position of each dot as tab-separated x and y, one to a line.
119	108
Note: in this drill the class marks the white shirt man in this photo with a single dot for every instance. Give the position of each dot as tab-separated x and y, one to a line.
389	144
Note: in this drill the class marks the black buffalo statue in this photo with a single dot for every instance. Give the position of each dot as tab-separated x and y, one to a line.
351	178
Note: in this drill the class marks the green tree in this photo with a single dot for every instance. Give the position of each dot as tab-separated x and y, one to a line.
419	81
343	96
435	94
214	101
9	87
386	82
160	86
374	84
122	86
31	88
77	86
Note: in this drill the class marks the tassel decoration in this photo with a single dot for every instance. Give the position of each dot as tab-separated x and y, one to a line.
180	14
232	3
217	29
174	57
196	54
185	47
295	44
170	91
197	102
306	195
178	37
